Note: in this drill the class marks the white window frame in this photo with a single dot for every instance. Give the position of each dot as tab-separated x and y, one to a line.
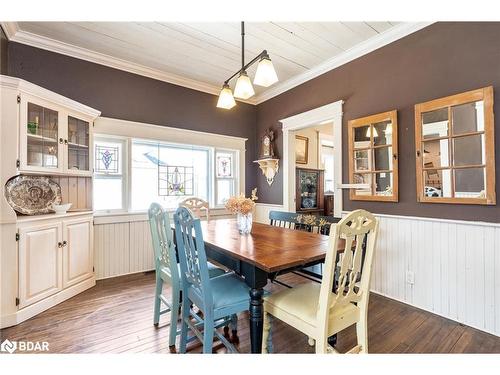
235	172
211	156
124	169
129	131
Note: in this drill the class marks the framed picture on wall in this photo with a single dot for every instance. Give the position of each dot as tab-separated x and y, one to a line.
301	149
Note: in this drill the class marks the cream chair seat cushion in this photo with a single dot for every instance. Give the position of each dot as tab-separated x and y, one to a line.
301	303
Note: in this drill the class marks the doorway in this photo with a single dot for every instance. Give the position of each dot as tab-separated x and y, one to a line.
328	116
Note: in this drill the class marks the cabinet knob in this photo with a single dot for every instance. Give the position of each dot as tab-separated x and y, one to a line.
61	140
59	244
64	243
65	141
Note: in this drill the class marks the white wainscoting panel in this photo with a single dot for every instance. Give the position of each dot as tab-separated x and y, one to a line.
122	248
456	267
456	264
262	211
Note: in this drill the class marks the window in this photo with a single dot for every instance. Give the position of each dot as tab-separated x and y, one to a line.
373	157
225	172
454	141
108	174
132	173
168	174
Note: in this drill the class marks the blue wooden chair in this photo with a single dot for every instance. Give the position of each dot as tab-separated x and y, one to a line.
219	298
167	269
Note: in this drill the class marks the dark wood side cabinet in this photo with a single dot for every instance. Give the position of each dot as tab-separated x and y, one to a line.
328	205
309	193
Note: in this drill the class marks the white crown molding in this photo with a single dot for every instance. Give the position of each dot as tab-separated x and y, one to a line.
397	32
43	93
10	28
16	35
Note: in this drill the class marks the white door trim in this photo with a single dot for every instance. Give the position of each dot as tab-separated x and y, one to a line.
332	111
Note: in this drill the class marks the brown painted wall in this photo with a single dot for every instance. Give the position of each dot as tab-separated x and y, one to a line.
3	52
440	60
132	97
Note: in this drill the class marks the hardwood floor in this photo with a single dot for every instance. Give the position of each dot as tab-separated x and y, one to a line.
116	316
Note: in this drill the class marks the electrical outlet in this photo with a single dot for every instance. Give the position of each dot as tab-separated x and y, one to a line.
410	277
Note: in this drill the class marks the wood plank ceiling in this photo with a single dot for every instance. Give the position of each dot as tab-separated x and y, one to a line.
210	52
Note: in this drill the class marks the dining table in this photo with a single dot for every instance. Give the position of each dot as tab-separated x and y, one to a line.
259	256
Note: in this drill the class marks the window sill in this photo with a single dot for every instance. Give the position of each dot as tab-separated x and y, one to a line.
101	218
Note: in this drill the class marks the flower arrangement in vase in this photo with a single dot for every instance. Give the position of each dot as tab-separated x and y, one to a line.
243	208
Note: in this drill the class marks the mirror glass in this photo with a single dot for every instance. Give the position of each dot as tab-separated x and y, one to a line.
437	183
362	136
436	153
470	183
362	160
435	123
363	178
382	133
469	150
468	118
383	183
383	158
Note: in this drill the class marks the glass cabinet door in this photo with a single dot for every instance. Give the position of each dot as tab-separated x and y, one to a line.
42	137
78	145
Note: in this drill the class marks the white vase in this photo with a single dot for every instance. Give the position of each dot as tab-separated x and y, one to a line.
244	223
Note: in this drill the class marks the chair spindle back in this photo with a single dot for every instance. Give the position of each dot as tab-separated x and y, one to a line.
163	244
356	228
191	250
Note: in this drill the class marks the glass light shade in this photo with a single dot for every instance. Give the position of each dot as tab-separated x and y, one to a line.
388	129
226	99
265	75
243	88
375	133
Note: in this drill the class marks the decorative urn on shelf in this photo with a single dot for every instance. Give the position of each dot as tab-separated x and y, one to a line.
243	208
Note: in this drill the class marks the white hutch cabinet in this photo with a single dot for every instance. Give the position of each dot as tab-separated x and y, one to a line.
45	259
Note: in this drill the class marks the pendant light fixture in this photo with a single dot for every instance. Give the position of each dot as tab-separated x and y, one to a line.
226	99
265	76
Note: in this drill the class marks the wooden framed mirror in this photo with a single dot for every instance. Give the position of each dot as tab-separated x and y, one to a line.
373	157
455	149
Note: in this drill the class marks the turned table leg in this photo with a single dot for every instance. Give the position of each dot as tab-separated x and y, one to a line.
256	319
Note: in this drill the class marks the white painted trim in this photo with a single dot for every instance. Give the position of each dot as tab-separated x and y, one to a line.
47	95
10	29
62	48
125	128
397	32
46	303
436	220
391	35
433	312
332	111
132	217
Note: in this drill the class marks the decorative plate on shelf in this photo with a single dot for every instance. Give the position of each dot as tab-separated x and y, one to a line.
32	195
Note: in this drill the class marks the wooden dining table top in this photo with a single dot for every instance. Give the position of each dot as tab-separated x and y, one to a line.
267	247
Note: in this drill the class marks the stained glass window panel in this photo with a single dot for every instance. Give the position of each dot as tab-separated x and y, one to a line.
107	158
175	181
224	165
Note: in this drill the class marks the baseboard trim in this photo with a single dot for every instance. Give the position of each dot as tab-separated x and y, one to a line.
45	304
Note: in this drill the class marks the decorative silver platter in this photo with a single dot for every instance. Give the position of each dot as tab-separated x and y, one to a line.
32	195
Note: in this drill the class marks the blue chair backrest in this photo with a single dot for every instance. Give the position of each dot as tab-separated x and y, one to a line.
192	256
163	244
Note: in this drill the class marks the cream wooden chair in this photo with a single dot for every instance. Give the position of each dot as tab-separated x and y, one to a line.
313	308
196	205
